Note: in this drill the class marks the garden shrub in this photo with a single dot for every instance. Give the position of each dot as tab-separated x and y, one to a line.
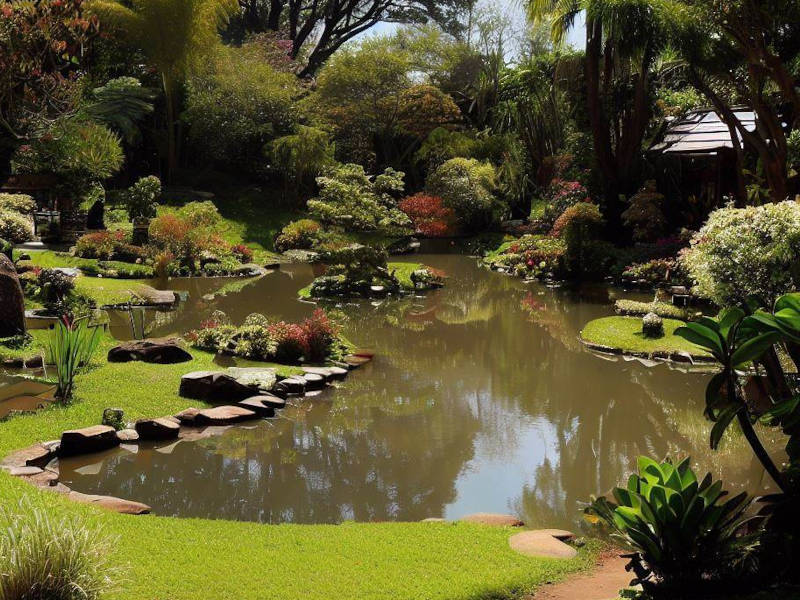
352	271
242	253
652	325
652	272
741	252
443	144
99	244
21	203
255	342
58	558
639	309
15	227
467	187
301	155
347	198
580	227
559	196
644	215
429	215
291	341
532	256
141	198
303	235
320	334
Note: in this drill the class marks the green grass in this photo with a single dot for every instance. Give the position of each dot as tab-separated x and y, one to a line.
662	309
106	291
30	350
185	559
625	333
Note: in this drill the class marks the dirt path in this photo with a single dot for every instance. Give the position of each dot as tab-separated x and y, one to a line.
603	583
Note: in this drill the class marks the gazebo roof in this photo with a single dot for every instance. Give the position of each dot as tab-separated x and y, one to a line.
701	131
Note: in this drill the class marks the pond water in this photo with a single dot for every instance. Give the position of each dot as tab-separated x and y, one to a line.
480	398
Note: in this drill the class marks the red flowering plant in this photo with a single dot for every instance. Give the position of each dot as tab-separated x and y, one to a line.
291	341
242	253
429	215
320	334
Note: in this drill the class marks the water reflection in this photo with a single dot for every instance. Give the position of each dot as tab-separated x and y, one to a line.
481	399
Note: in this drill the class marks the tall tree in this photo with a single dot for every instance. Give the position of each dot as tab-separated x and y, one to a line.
174	35
751	48
317	28
623	40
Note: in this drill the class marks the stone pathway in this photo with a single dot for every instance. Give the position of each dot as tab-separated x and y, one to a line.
603	583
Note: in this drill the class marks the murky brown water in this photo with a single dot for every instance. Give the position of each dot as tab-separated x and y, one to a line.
481	398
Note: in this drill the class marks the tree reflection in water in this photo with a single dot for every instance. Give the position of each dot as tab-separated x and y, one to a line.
480	399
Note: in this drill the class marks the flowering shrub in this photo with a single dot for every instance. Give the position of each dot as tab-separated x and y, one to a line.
580	227
467	187
242	253
21	203
532	256
100	244
320	335
559	196
349	199
291	341
188	235
15	227
741	252
429	215
303	234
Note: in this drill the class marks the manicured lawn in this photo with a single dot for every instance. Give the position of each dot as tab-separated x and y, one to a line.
625	333
34	348
185	559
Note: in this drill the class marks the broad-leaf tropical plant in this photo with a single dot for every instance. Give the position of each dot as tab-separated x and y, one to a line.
677	527
735	342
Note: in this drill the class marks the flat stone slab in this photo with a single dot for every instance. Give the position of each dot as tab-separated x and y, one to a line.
542	545
224	415
256	377
156	297
43	479
433	520
119	505
157	429
559	534
23	471
258	406
329	373
88	440
188	416
214	386
37	455
269	400
314	381
159	351
493	519
127	435
353	362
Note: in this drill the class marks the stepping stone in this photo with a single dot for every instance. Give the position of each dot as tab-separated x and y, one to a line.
125	507
188	416
353	362
213	386
224	415
292	385
37	455
159	351
23	471
539	544
87	440
493	519
43	479
314	381
260	378
559	534
258	406
269	400
157	429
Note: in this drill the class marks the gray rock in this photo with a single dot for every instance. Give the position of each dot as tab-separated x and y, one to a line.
213	386
314	381
159	351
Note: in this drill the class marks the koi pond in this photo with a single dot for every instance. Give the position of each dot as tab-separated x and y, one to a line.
481	398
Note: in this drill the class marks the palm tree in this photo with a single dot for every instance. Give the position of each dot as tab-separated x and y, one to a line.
174	35
623	41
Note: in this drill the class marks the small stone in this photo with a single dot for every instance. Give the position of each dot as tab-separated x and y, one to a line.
37	455
157	429
24	471
87	440
223	415
257	406
269	400
159	351
188	416
536	543
493	519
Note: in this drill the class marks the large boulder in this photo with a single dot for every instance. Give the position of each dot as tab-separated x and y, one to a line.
161	351
87	440
214	387
12	302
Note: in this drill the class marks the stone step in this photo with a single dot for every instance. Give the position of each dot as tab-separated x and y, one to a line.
223	415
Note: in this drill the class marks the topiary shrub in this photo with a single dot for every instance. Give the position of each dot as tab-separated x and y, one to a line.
741	252
349	199
580	227
467	187
141	199
558	197
652	325
21	203
99	244
15	227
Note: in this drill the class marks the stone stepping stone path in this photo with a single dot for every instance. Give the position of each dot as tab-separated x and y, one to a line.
158	429
314	381
213	386
223	415
88	440
543	543
258	406
493	520
166	351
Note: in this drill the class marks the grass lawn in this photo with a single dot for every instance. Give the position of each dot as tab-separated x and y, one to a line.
34	348
625	333
186	559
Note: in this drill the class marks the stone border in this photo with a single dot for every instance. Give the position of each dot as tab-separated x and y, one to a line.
33	464
659	355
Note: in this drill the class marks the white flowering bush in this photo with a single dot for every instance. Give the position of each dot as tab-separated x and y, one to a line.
741	252
349	199
15	227
21	203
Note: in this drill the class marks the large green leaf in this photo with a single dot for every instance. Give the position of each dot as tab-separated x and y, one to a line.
754	348
703	337
723	421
